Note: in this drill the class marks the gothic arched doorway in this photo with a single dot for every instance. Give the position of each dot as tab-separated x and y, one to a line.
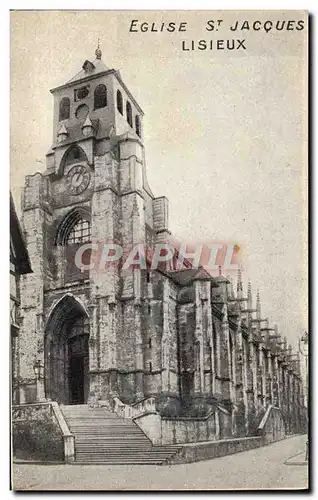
67	352
78	360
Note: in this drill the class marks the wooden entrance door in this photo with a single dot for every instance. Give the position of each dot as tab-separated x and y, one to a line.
78	369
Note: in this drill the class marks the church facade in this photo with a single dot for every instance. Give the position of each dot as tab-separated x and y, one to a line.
183	337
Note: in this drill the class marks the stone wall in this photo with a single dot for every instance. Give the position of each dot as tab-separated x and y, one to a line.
186	430
36	434
163	430
272	426
206	451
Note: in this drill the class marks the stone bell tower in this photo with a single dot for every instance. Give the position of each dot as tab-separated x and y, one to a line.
84	325
93	109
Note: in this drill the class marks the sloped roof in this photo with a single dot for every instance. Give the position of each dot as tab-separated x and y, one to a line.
221	279
186	276
99	67
19	250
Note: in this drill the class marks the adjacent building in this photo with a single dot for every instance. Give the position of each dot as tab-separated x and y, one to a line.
19	265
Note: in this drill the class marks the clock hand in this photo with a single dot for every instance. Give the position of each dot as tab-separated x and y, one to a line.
77	178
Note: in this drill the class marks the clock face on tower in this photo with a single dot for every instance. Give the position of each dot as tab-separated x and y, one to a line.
78	179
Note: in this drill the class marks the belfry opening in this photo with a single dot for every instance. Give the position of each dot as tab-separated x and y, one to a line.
67	352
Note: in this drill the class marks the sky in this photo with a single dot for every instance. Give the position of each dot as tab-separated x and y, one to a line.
225	132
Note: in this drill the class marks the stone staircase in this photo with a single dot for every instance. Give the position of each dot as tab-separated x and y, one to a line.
101	437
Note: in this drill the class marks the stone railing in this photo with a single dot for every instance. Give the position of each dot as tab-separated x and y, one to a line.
123	410
146	405
165	430
68	437
272	426
31	412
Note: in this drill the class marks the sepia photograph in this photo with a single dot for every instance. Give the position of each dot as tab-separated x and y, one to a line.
159	336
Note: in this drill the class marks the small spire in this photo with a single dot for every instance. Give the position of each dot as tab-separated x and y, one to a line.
220	270
231	288
62	133
98	52
63	129
249	295
87	122
87	127
238	279
258	305
239	286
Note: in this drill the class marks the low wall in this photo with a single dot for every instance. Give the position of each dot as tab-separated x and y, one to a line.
272	426
163	430
270	429
150	424
189	430
217	425
39	432
207	451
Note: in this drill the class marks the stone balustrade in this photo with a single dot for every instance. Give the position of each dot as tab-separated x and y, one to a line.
123	410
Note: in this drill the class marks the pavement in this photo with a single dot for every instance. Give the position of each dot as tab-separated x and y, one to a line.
262	468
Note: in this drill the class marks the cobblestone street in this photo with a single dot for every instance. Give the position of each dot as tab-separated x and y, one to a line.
261	468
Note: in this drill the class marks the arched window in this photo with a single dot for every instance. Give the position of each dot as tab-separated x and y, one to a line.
79	233
100	97
74	228
74	154
137	125
119	102
129	114
64	111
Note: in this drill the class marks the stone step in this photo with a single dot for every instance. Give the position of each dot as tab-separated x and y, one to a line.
119	462
103	437
98	421
106	433
102	424
147	454
123	453
109	440
95	419
107	430
108	445
121	430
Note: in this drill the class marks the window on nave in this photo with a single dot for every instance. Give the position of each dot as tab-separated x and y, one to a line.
80	233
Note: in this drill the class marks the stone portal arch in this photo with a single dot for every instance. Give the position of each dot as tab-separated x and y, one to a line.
67	351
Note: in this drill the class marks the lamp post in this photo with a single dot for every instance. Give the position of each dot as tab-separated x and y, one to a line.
39	380
303	349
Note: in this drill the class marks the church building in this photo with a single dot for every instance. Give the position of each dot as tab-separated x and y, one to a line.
182	338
